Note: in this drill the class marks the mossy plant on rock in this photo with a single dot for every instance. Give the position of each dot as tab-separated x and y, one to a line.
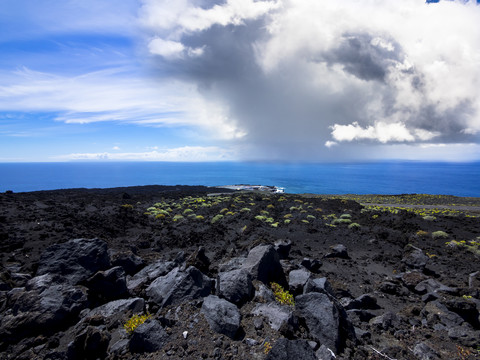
281	295
134	322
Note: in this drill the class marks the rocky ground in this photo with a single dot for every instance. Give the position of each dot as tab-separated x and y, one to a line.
366	282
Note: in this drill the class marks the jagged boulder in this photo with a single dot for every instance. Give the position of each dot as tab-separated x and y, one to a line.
320	285
263	264
285	349
130	262
45	306
364	302
222	316
415	259
235	286
89	344
75	260
180	285
149	273
326	320
297	279
108	285
118	308
338	251
148	337
280	317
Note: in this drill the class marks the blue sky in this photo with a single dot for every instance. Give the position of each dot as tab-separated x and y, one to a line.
197	80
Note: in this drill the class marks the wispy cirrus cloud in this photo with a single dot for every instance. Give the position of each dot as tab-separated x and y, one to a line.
185	153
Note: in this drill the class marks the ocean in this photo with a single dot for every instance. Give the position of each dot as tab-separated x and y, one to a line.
461	179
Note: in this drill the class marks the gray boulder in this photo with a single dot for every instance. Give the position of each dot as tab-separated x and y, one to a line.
433	286
178	286
232	264
326	320
338	251
313	265
263	294
148	337
280	317
386	322
415	259
424	352
108	285
130	262
89	344
364	302
291	349
149	273
222	316
235	286
45	307
118	308
464	335
283	247
263	264
324	353
320	285
437	315
76	260
297	279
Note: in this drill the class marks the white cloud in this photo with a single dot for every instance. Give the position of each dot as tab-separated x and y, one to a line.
186	153
115	95
166	48
381	132
183	16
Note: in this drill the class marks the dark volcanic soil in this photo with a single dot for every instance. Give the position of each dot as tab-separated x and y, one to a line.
146	221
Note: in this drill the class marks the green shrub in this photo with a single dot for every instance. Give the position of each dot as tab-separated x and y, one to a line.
217	218
422	233
311	217
282	296
287	221
354	226
439	235
341	221
260	217
345	216
134	322
199	217
245	209
187	211
178	217
429	218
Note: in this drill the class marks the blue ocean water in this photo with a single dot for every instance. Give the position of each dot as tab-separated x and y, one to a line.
461	179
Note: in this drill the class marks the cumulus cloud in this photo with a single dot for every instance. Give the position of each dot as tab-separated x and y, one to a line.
299	78
381	131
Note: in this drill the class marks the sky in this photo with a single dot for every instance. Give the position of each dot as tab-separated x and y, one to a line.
239	80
